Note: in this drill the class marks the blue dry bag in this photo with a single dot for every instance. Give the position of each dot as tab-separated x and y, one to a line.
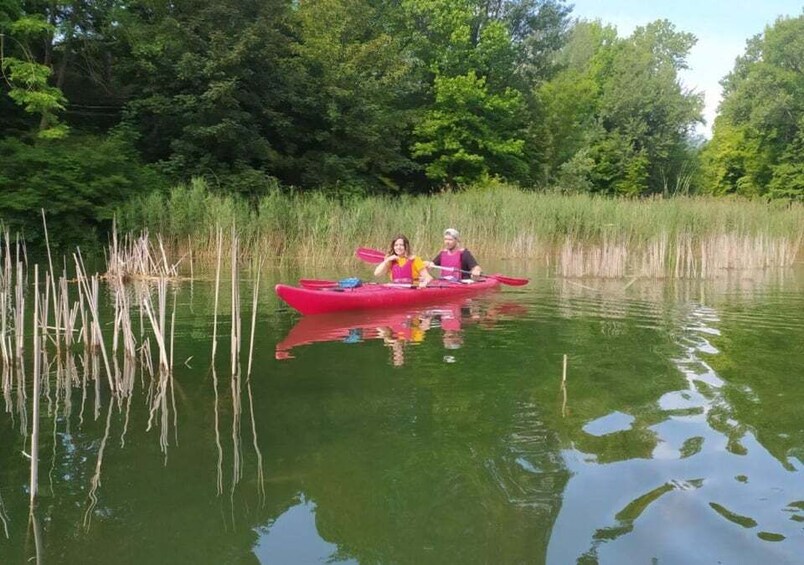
352	282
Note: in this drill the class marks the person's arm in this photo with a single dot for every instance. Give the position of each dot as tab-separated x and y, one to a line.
434	262
383	267
469	263
424	275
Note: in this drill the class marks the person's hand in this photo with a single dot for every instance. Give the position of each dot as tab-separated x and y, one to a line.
391	258
429	264
422	284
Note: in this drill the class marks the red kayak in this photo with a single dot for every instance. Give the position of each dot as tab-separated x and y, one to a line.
369	296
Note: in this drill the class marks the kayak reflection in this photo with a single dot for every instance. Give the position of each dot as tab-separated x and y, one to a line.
398	328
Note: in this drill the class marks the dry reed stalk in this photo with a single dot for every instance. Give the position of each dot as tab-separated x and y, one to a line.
83	384
190	251
217	294
22	397
52	273
172	382
36	389
4	306
159	403
44	310
92	300
237	449
235	333
5	301
19	311
69	315
158	327
254	301
237	408
7	386
145	357
95	373
117	290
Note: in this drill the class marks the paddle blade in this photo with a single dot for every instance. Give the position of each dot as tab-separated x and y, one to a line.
317	284
369	255
510	281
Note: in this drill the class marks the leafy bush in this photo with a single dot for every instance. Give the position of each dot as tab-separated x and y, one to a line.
79	182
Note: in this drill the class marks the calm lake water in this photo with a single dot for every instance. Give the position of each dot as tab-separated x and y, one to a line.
439	435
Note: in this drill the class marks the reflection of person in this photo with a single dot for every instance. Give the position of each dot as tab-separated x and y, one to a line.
397	346
402	266
455	258
398	333
452	339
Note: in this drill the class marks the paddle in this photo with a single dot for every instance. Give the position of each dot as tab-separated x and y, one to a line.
376	256
323	284
317	284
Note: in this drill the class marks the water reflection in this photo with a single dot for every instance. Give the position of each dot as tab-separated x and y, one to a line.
687	466
280	542
399	329
675	435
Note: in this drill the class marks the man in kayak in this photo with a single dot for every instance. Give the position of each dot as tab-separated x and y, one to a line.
402	266
453	258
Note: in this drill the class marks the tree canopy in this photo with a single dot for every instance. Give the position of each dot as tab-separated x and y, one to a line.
758	143
377	97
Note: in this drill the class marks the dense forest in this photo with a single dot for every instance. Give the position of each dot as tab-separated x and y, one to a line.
105	100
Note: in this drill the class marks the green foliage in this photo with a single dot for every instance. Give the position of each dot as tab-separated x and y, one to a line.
468	133
27	79
620	103
757	144
476	123
350	82
79	182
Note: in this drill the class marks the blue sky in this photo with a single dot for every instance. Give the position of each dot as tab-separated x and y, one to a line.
722	28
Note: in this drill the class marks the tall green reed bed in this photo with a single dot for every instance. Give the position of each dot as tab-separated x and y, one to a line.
578	235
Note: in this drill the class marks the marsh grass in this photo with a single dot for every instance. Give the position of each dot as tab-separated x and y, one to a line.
580	235
65	331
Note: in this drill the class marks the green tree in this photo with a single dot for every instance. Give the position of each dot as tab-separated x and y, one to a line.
470	133
26	74
350	98
620	103
205	86
482	60
79	181
758	142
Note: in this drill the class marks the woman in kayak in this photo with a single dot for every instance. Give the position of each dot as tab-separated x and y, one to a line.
455	258
402	266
